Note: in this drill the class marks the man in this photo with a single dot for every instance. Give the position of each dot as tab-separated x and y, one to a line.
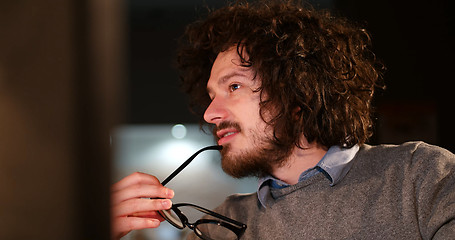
288	91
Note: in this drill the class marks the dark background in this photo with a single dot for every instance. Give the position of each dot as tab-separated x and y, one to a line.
61	91
414	39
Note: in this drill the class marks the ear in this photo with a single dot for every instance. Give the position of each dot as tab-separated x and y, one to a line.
296	112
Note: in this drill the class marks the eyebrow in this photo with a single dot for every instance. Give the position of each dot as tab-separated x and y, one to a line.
228	76
231	75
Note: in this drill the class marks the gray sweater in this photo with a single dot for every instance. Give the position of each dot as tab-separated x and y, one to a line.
391	192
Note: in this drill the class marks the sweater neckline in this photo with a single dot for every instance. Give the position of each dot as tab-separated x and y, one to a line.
280	192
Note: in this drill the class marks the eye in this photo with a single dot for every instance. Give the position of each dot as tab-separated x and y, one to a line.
234	86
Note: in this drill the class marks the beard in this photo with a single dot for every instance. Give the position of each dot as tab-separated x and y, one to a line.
262	156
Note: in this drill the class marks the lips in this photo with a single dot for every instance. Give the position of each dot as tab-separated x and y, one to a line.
228	134
226	131
225	135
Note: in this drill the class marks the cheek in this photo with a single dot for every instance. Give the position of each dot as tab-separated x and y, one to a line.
257	123
251	114
247	109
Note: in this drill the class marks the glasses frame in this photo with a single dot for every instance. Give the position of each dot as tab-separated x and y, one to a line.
236	227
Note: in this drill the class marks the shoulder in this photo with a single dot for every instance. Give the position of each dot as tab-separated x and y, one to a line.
238	204
409	151
419	158
240	199
427	151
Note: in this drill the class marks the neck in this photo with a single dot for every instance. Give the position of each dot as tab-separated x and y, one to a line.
299	161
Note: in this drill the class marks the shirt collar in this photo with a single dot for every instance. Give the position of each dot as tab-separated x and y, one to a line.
335	165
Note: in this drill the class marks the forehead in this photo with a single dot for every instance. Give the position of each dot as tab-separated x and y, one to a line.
226	59
226	65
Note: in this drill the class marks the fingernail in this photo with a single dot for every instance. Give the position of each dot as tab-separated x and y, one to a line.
166	203
169	193
155	222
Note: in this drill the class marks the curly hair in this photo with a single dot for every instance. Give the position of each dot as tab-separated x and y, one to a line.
317	70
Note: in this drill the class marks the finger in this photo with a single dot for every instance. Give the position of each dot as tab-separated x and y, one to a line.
152	214
141	191
134	179
123	225
139	205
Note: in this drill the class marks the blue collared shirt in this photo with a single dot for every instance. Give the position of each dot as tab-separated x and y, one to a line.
334	165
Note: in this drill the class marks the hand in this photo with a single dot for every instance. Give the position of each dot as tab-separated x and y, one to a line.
131	208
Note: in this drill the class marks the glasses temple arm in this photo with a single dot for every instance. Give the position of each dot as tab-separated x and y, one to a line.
179	169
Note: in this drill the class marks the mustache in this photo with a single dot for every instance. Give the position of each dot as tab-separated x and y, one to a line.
226	124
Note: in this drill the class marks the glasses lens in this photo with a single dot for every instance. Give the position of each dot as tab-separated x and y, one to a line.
213	231
172	218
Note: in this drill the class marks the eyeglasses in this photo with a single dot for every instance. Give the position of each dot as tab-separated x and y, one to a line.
205	228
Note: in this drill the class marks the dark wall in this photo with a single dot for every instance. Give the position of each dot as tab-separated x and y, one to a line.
154	94
415	40
412	38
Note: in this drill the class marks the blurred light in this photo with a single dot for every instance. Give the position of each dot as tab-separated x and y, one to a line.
173	152
178	131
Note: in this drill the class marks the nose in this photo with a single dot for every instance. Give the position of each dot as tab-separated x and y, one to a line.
216	111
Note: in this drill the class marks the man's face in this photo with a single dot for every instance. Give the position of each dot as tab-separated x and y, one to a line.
235	112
